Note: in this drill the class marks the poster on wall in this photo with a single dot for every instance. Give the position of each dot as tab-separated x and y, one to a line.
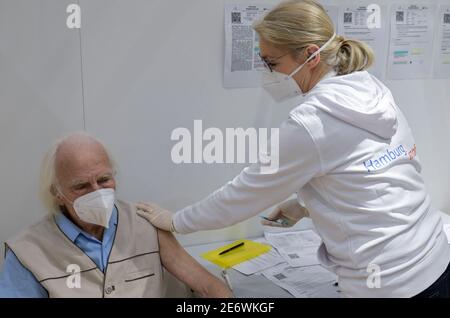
411	42
367	23
442	56
242	61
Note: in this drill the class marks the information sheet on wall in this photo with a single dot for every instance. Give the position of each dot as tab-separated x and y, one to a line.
411	45
242	62
401	37
442	58
367	23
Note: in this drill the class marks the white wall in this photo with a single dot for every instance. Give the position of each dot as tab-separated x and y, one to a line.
150	66
40	98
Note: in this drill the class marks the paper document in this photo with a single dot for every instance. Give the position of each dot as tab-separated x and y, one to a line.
411	45
367	23
304	282
442	58
296	248
292	239
242	61
261	262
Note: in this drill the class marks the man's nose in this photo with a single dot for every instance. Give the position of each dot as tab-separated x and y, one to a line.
95	186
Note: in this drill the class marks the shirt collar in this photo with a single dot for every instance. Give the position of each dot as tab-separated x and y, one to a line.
72	231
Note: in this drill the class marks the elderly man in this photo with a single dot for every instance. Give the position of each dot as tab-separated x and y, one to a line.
91	245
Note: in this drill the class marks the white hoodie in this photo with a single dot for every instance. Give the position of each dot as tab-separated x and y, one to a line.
349	154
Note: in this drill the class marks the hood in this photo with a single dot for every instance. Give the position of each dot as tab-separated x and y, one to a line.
359	99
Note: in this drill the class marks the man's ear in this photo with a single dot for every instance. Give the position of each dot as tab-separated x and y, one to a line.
57	195
53	190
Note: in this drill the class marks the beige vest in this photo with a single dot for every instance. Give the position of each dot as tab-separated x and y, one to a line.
134	267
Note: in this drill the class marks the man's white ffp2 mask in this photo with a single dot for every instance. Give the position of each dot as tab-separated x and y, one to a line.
281	86
95	207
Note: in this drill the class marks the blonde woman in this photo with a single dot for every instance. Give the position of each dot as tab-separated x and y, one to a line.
348	153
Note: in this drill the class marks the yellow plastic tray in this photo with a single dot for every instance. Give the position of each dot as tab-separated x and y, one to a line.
249	250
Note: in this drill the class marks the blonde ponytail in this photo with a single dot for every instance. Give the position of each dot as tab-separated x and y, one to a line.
353	56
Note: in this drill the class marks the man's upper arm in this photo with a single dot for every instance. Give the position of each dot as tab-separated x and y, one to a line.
16	281
178	261
187	270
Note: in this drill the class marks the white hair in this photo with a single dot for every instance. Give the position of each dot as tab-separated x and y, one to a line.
48	181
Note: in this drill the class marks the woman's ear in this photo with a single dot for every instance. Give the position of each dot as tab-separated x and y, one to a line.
310	50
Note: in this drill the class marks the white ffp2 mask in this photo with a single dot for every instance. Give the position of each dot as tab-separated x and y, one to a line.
95	207
281	86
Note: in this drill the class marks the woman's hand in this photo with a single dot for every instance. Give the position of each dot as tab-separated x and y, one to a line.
159	217
289	213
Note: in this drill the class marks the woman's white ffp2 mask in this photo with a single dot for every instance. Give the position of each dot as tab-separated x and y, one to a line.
281	86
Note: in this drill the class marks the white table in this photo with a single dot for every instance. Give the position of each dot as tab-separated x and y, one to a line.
253	286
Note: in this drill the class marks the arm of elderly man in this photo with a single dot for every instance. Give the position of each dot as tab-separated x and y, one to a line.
183	266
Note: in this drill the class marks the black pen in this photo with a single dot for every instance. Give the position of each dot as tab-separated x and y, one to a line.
231	248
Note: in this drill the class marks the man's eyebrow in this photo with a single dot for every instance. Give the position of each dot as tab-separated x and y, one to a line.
78	182
107	174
